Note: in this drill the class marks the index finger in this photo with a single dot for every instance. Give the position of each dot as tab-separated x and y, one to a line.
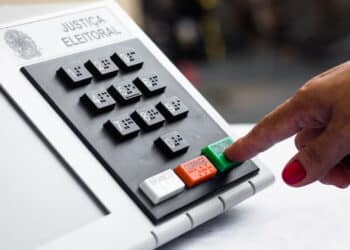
280	124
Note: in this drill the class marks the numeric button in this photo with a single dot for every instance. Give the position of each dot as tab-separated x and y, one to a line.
149	118
150	85
102	68
125	93
127	60
173	108
74	75
98	101
172	144
122	127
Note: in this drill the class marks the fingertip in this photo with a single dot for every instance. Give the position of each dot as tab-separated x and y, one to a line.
234	152
228	152
294	173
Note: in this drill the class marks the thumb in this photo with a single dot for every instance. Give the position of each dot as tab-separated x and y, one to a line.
316	159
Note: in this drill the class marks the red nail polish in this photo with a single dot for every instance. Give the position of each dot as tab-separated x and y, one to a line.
294	173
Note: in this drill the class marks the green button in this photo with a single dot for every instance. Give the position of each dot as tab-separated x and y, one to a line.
215	153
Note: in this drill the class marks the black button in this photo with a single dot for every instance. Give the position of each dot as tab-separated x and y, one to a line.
98	101
173	108
123	127
150	85
102	68
74	75
148	118
127	60
172	144
125	93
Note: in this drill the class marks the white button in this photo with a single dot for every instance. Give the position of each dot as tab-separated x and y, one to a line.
162	186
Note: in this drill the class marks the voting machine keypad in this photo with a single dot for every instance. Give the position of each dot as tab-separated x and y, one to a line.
128	60
125	92
173	108
102	68
172	144
74	75
122	127
98	101
150	85
156	141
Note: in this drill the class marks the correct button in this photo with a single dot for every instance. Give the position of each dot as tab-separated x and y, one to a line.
216	154
196	171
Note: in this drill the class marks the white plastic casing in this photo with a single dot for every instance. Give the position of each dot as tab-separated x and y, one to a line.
125	226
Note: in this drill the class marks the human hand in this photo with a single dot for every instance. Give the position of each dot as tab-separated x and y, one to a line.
319	115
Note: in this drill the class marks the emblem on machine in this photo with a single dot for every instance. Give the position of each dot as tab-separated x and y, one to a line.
22	44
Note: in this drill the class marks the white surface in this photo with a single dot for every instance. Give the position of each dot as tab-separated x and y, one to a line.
40	199
162	186
316	217
10	13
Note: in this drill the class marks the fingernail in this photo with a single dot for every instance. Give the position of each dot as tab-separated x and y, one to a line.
294	173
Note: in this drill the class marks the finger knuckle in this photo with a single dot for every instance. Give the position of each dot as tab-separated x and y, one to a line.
304	93
345	132
298	143
263	134
342	135
301	99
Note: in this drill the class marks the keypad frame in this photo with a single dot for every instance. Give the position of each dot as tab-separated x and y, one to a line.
198	128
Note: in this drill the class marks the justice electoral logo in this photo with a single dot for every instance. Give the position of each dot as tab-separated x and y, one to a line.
88	29
22	44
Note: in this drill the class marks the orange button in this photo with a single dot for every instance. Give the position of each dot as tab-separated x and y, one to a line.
196	171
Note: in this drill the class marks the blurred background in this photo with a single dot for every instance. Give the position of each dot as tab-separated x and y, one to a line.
246	56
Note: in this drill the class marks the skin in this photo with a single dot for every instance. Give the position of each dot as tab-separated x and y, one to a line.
319	115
